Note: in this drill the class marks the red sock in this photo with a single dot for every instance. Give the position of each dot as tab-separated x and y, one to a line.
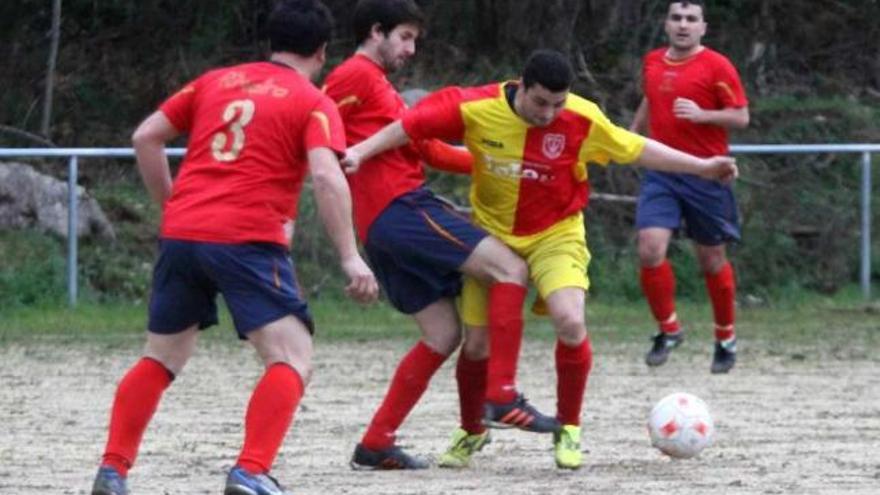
471	379
269	415
137	397
407	386
658	284
572	370
505	339
722	292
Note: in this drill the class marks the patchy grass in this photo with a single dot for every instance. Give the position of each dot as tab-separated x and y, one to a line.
804	321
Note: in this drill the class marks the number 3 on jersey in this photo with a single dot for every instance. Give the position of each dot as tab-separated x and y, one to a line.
237	115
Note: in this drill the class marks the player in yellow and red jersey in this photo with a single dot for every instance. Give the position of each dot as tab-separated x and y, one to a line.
531	140
255	131
417	245
693	95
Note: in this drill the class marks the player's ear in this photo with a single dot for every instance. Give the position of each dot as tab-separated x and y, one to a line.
321	53
376	31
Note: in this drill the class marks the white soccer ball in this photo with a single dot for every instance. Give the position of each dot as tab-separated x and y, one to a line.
680	425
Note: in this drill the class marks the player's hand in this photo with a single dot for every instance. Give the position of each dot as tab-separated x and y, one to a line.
362	286
351	162
720	168
686	109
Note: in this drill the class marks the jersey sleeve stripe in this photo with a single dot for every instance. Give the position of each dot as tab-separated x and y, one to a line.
727	89
325	122
348	100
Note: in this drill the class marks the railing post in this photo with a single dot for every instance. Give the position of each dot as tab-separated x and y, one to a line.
72	223
866	226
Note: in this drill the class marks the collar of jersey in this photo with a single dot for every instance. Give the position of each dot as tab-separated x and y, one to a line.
509	104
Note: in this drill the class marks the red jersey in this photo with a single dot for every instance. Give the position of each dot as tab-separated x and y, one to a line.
250	127
526	179
709	79
367	102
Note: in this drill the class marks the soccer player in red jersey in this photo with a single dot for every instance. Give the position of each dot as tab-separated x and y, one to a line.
417	245
531	140
255	131
692	96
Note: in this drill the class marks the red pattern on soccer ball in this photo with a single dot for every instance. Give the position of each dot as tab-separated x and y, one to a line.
669	428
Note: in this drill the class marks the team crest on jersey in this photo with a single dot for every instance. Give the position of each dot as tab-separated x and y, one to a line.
553	145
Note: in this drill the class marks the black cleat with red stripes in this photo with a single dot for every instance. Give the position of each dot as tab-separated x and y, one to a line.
394	457
518	413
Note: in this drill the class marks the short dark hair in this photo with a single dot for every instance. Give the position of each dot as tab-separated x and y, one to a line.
299	26
387	13
548	68
685	3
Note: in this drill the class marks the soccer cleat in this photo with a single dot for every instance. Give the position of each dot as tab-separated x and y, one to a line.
567	447
663	345
241	482
464	445
518	413
393	457
724	357
108	481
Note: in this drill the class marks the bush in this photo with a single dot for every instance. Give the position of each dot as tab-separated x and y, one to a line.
33	270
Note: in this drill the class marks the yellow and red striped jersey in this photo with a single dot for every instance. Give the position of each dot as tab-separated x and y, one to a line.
526	178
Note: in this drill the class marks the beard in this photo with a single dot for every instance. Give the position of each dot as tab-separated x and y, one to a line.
390	62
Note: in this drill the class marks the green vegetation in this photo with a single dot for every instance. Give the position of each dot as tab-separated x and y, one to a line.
789	252
829	324
121	270
813	78
32	271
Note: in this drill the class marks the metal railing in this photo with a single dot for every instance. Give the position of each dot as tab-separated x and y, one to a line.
865	150
74	154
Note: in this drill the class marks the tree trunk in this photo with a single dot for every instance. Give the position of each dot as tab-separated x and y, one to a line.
762	52
55	35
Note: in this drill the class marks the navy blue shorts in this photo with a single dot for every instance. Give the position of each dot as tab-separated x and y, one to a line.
707	207
256	280
416	247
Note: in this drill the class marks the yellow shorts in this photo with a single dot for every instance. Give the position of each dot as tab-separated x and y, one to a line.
557	258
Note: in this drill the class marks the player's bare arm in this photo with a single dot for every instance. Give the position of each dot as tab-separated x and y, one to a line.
731	118
658	156
334	207
640	119
391	136
149	146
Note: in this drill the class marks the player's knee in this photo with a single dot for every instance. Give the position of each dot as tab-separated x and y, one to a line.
570	328
652	248
496	262
711	261
297	355
510	268
651	254
475	353
476	345
300	360
442	340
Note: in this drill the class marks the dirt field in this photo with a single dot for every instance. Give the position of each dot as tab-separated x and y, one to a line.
794	423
